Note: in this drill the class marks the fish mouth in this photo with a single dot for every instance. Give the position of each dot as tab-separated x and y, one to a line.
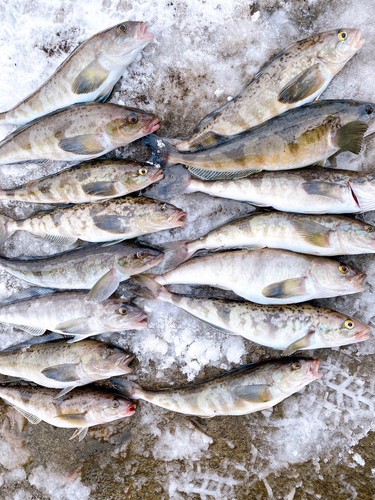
143	34
358	280
129	410
124	362
358	42
152	126
314	369
158	175
362	335
178	220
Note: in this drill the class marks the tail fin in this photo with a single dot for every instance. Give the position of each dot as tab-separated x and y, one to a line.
176	181
163	153
177	252
127	388
144	286
5	233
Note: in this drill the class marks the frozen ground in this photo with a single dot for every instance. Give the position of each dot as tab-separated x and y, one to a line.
318	444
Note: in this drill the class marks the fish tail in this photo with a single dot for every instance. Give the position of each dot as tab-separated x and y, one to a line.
127	388
177	252
5	231
147	288
176	181
163	153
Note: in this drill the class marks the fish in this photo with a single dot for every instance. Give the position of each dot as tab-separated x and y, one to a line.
69	313
76	133
87	182
97	268
298	138
246	389
297	75
110	220
269	276
324	235
289	327
80	409
313	190
88	74
58	365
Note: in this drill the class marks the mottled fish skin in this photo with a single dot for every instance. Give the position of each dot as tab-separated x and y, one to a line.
81	408
53	310
60	365
269	276
309	190
244	390
297	138
111	220
77	133
80	269
324	235
88	182
310	64
302	326
88	74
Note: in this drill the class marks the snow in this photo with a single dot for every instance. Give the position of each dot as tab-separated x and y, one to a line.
204	53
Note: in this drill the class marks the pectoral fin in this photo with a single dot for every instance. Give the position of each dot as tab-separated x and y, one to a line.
326	189
100	188
254	393
111	223
104	287
294	287
303	85
207	139
212	175
301	343
68	372
87	144
78	419
90	78
350	136
81	432
312	232
33	419
76	326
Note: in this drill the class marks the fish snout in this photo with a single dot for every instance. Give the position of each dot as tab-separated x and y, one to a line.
158	175
358	280
152	126
129	409
314	369
362	335
143	34
358	42
178	219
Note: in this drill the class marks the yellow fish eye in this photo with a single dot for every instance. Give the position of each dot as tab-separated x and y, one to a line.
110	351
115	403
349	324
121	28
162	207
141	254
123	310
369	229
343	269
342	35
132	118
142	171
296	365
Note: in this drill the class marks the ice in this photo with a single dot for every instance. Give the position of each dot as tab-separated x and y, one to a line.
57	486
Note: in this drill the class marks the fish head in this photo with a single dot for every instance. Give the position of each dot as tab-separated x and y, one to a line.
141	175
111	406
116	315
291	374
124	38
363	191
333	278
158	215
130	124
356	236
102	361
337	329
138	259
338	46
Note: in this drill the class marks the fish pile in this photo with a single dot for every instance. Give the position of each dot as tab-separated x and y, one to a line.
267	147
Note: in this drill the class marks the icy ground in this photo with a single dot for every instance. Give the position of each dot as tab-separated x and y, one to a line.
318	444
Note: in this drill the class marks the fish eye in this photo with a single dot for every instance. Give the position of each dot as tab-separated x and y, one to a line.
342	35
143	171
369	109
121	28
141	254
162	207
123	310
132	119
109	351
296	365
349	324
115	403
369	229
343	269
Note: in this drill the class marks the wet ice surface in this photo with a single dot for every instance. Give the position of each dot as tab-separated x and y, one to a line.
316	444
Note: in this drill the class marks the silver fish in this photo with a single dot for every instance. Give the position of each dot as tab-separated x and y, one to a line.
96	267
69	313
88	74
297	138
87	182
81	408
288	327
269	276
297	75
312	234
246	389
110	220
77	133
59	365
